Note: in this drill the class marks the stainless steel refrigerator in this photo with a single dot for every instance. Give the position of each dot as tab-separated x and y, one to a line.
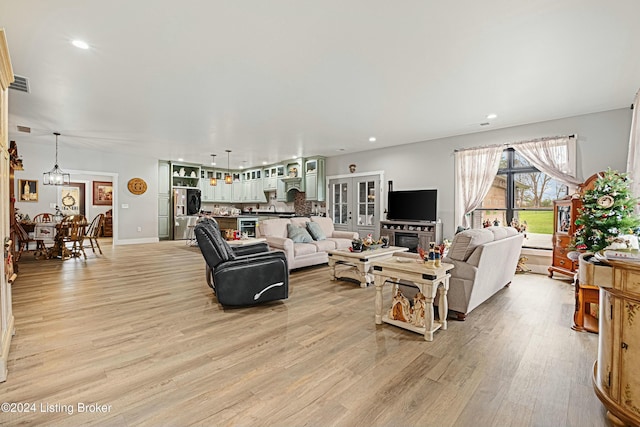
186	206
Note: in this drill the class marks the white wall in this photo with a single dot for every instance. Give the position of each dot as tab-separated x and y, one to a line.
603	140
142	210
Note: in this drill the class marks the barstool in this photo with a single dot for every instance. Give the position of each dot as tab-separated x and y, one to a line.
191	237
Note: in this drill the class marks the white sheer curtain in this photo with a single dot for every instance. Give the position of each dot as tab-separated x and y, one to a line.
552	156
633	159
475	170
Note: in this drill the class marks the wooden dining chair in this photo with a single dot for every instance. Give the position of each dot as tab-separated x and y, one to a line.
93	231
73	229
43	217
24	239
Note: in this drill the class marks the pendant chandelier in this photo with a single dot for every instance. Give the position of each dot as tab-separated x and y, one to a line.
56	176
227	178
213	181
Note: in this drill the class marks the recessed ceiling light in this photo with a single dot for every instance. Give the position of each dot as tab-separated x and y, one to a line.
294	157
372	139
264	163
492	116
213	163
180	159
80	44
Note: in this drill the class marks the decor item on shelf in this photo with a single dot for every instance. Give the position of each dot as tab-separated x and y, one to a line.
213	181
56	176
227	178
607	212
418	309
400	308
182	172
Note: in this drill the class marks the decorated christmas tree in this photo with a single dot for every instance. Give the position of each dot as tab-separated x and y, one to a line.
607	212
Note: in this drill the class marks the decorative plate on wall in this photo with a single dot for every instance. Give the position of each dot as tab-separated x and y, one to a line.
137	186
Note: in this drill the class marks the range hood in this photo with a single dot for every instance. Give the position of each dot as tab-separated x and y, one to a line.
293	184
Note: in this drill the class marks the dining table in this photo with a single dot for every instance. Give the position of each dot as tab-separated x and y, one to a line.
53	236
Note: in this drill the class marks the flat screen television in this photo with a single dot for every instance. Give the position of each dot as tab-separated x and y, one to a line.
413	205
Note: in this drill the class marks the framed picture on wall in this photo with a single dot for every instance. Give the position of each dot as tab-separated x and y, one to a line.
102	193
27	190
71	198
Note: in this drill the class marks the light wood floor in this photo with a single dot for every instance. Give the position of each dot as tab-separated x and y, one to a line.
138	329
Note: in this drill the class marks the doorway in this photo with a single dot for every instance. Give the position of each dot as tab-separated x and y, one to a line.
354	202
88	177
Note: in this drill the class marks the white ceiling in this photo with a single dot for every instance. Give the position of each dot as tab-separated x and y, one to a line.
272	79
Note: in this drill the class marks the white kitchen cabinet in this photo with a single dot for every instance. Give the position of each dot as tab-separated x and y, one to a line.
314	175
208	191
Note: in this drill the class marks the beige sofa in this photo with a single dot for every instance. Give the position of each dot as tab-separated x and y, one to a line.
304	254
485	262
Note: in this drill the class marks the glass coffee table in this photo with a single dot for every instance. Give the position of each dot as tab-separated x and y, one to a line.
357	265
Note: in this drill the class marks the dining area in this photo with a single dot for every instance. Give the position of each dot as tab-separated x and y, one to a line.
58	236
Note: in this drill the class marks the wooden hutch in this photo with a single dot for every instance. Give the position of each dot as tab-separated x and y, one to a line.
565	212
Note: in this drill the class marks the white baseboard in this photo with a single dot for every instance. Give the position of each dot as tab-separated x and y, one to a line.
136	241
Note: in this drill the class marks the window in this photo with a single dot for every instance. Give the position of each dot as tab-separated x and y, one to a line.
522	196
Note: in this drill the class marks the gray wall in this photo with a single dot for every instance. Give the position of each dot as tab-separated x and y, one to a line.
603	140
142	210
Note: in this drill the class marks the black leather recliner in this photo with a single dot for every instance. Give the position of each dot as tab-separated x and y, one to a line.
245	275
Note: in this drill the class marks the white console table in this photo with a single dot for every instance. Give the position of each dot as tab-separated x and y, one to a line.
427	279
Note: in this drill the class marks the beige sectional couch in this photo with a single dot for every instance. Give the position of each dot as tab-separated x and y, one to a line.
304	254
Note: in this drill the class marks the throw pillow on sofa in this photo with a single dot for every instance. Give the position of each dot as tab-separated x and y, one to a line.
298	234
316	231
465	243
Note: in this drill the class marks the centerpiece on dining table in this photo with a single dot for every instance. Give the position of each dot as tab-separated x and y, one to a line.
369	243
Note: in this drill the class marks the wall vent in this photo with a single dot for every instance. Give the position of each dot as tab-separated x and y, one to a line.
20	83
25	129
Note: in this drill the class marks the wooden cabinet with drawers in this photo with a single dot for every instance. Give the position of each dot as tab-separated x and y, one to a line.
107	225
616	376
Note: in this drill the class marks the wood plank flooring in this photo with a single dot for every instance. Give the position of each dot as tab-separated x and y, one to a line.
138	330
